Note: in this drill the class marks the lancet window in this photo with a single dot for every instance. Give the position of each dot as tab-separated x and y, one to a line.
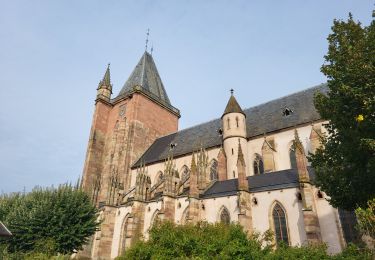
213	170
224	216
280	224
258	165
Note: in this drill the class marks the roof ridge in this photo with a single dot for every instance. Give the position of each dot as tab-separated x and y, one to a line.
285	96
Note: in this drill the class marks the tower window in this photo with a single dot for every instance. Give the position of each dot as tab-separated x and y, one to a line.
232	151
228	122
122	110
234	174
237	124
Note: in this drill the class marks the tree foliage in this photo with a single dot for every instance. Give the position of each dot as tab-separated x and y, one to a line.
345	165
52	220
366	220
219	241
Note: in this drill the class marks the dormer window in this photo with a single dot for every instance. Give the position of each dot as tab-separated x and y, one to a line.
287	112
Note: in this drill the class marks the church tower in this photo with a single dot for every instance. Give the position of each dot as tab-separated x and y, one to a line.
124	127
234	134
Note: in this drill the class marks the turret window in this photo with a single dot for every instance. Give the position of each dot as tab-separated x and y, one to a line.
228	123
237	122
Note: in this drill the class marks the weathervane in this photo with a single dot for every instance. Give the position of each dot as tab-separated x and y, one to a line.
147	34
231	91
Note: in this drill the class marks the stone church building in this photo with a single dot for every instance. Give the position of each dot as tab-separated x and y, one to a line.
248	166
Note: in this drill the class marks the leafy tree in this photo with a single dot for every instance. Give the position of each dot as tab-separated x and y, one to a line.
345	165
48	220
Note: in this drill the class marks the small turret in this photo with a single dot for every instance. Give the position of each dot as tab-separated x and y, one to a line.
105	87
234	131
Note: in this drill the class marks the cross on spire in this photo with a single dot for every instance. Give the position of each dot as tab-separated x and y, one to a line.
147	34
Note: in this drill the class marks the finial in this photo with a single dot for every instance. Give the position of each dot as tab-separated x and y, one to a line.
152	48
147	34
109	65
231	91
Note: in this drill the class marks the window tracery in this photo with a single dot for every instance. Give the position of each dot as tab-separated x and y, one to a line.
258	165
224	216
213	170
280	224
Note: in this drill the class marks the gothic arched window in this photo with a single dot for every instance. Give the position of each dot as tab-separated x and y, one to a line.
280	225
213	170
185	172
292	157
258	165
224	216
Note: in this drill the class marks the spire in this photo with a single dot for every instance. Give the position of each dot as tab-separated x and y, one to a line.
106	81
300	159
233	106
241	168
240	159
145	78
193	192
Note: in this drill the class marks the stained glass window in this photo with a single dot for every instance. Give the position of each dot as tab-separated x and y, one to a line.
258	165
185	172
279	221
213	170
292	157
224	216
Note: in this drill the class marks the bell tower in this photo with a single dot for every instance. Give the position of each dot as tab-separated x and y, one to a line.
124	127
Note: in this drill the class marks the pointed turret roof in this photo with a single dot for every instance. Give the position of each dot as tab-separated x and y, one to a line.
106	81
233	106
145	76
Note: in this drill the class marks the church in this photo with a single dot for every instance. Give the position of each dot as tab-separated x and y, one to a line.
247	166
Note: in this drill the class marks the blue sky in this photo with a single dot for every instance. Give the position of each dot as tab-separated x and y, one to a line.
53	54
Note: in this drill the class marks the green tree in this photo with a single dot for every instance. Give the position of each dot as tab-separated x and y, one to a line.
52	220
345	165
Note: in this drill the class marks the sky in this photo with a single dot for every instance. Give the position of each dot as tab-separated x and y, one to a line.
54	53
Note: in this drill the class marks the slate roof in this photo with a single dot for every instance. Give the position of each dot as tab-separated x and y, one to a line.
265	118
4	232
146	75
257	183
233	106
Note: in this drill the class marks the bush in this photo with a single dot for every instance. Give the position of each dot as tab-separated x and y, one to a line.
218	241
